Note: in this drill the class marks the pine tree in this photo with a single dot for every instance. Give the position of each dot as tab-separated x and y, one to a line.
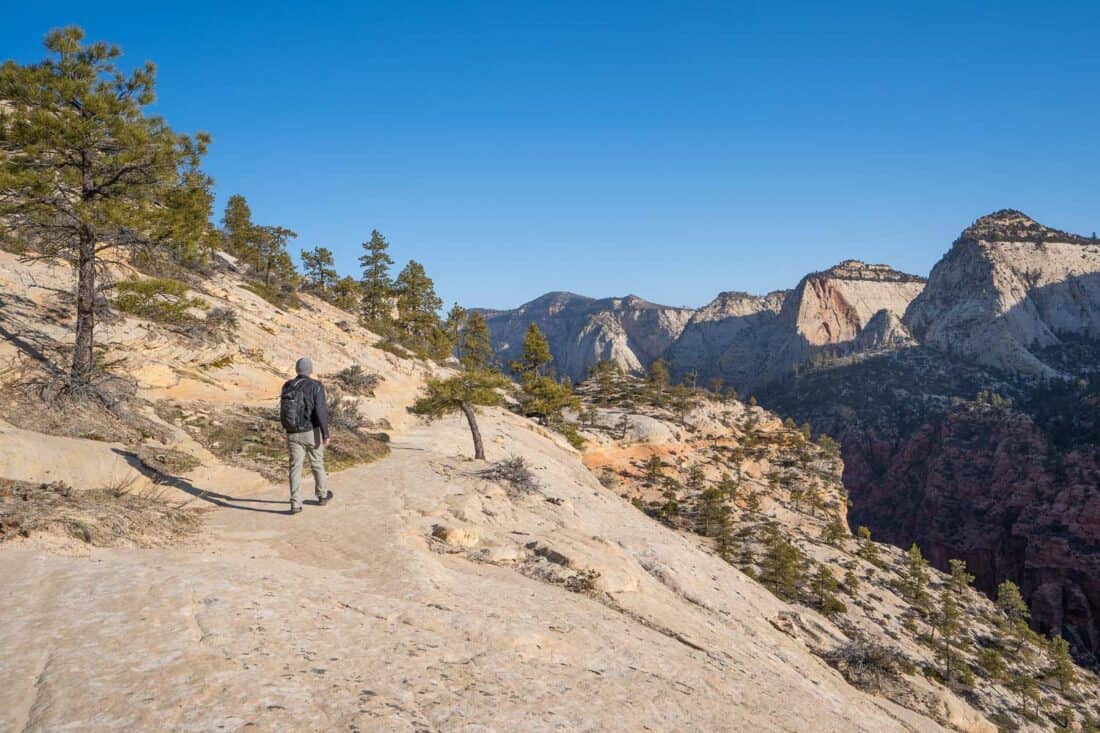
1028	689
1011	603
729	487
240	235
724	542
695	477
622	426
813	498
781	567
453	325
536	353
347	294
545	398
377	284
916	575
993	662
84	171
710	508
319	266
868	550
606	373
960	578
682	399
657	380
654	469
272	259
477	347
1062	666
824	586
417	304
948	625
462	393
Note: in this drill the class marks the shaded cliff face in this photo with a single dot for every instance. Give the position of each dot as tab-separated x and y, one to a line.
986	485
972	464
1009	287
719	327
629	331
751	342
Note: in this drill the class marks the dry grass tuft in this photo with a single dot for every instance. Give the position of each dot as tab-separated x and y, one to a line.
115	515
514	474
252	438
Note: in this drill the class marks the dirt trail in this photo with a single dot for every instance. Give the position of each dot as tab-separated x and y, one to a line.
349	617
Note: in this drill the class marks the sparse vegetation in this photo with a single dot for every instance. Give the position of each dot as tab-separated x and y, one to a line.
867	665
251	437
514	473
357	381
104	517
157	299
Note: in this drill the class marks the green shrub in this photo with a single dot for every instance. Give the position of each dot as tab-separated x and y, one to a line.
344	412
280	296
357	381
220	324
569	430
157	299
220	363
393	348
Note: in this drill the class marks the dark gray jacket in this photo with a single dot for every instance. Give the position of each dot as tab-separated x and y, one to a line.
316	405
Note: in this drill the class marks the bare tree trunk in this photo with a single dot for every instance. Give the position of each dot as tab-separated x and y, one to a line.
81	374
479	447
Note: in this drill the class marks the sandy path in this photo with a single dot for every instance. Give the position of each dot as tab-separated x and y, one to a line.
346	617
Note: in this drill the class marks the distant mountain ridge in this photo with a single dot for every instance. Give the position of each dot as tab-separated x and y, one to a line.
741	338
630	331
1009	287
967	405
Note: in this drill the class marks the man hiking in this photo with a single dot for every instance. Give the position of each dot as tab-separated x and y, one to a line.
304	415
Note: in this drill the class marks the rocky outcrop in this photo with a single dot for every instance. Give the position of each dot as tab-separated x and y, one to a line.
629	331
827	309
884	331
1008	288
717	327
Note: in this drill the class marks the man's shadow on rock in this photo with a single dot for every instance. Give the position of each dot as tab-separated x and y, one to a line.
212	497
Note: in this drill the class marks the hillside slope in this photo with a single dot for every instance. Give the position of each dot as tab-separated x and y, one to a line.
427	597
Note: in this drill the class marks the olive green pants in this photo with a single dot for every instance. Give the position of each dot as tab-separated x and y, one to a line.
303	445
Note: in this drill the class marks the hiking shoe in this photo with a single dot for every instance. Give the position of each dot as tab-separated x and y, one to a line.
325	499
295	510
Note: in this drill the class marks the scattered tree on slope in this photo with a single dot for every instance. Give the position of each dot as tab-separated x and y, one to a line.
462	392
84	171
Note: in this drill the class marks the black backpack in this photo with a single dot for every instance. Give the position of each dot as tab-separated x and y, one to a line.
294	412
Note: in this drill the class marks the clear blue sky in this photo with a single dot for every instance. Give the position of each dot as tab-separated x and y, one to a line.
671	150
